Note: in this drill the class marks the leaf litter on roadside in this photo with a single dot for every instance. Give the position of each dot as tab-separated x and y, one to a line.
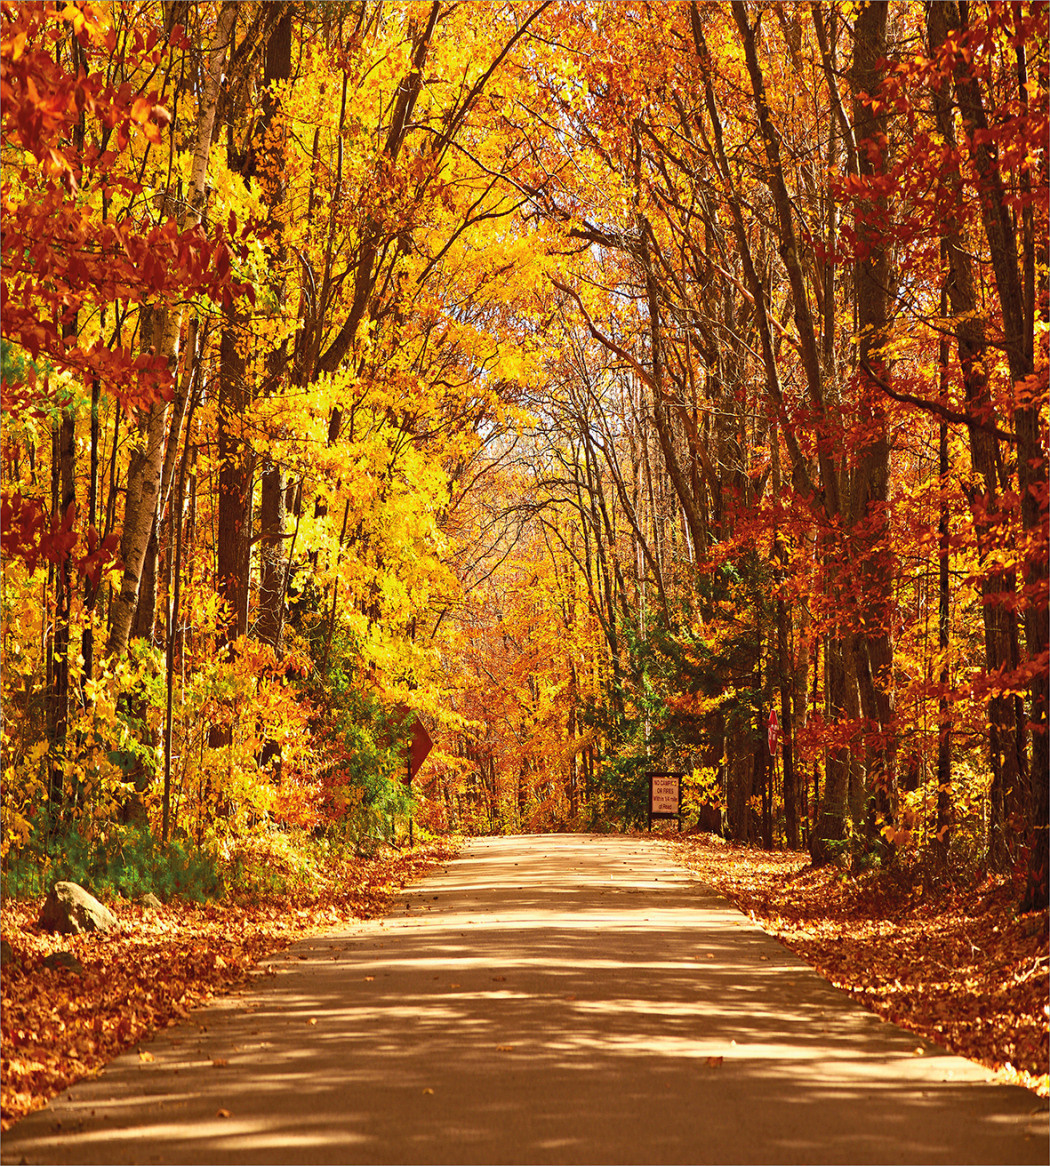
59	1024
948	960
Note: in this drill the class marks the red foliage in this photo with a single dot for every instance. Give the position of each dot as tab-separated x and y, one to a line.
61	252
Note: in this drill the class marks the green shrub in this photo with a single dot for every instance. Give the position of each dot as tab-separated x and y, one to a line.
122	860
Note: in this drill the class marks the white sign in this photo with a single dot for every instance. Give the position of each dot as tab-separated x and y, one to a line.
664	794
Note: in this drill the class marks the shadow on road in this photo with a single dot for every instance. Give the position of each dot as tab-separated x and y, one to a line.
557	999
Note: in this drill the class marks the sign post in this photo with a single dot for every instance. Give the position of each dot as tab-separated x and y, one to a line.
416	751
665	796
772	731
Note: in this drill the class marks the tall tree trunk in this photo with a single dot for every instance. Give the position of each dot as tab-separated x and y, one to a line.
661	417
998	585
869	485
63	489
833	816
942	837
63	467
91	588
273	567
1001	229
145	621
271	556
235	480
144	473
785	673
830	827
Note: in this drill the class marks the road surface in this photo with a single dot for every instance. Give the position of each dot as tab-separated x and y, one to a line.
564	998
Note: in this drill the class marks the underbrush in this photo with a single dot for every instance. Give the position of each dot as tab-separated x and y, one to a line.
128	861
124	861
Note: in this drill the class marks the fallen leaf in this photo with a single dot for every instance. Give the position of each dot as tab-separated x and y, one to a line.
170	964
954	965
714	1062
219	1062
145	1055
223	1113
428	1090
505	1048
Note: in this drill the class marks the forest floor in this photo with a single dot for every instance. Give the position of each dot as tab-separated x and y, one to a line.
70	1004
946	958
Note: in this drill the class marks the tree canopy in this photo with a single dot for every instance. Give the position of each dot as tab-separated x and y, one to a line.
599	381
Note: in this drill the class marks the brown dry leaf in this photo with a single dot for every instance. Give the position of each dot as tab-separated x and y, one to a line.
223	1113
714	1062
145	1055
954	964
428	1090
167	964
219	1062
505	1048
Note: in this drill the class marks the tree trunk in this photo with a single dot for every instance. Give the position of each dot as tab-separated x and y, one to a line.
785	673
273	567
942	837
87	637
63	467
660	414
144	473
143	624
140	508
1001	228
1006	728
145	621
271	555
869	486
235	481
830	827
740	780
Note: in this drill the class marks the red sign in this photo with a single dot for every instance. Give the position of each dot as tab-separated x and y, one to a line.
773	730
419	744
418	748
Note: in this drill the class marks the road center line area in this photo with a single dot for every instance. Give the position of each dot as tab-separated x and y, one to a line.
545	998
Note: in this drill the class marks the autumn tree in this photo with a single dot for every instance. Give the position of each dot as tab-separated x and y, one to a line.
593	383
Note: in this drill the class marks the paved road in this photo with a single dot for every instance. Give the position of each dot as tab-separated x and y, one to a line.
541	999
